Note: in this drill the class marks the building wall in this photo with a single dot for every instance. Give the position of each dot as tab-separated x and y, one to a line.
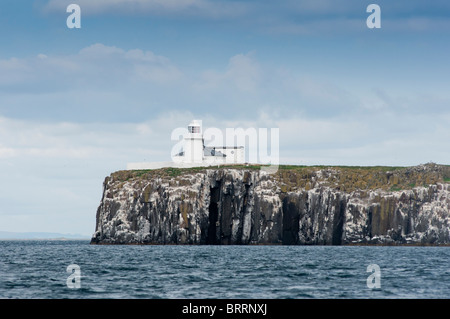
233	155
193	148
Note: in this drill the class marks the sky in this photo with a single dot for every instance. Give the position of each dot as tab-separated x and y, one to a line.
77	104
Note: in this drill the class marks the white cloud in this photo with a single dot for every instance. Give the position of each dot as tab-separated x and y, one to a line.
96	65
100	51
99	83
30	139
243	73
6	152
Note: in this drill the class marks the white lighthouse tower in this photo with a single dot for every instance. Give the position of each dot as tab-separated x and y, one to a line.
193	147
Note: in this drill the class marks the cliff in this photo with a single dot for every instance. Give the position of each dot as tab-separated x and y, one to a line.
296	205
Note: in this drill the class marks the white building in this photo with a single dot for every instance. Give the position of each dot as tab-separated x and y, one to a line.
195	153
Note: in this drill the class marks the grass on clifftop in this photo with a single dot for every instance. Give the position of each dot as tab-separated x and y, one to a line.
345	178
174	171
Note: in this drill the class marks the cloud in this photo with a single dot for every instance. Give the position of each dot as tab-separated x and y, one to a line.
96	65
98	81
108	83
30	139
355	140
243	73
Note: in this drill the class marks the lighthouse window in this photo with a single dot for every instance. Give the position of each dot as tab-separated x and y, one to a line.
194	129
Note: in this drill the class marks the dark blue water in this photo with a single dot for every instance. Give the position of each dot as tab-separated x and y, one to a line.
37	269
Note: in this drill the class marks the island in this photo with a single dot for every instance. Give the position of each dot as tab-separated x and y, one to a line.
242	204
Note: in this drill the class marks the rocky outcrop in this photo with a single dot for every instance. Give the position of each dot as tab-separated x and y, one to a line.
295	206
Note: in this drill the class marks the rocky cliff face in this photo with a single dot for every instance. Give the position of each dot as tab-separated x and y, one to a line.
297	205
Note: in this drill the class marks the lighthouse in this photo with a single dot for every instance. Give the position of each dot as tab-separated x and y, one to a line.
196	154
194	145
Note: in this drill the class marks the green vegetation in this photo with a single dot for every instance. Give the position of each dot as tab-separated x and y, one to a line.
293	177
173	172
370	168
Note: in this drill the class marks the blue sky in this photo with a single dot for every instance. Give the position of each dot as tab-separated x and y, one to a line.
78	104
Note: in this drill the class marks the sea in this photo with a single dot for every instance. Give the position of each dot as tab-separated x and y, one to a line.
74	269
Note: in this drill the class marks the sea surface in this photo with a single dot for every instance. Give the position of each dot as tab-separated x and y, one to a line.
38	269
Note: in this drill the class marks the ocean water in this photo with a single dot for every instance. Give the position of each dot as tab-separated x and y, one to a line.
38	269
